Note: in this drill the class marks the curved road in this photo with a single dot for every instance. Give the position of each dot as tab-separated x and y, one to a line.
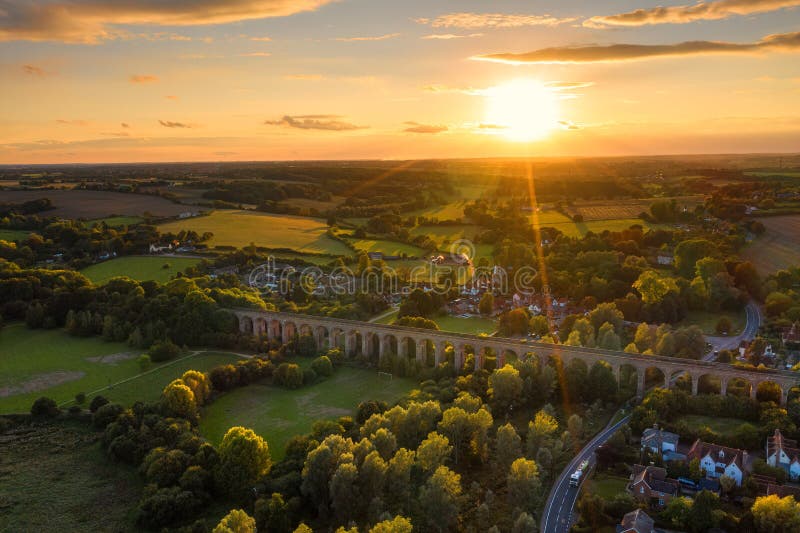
558	511
557	515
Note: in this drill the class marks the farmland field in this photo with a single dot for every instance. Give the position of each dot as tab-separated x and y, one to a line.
56	477
116	222
139	268
278	414
579	229
708	321
623	209
778	247
387	247
474	325
97	204
240	228
36	363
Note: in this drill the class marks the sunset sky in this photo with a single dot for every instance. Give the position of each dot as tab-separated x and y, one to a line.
149	80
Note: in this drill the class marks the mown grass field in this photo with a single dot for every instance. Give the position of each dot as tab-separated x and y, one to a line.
240	228
278	414
98	204
579	229
139	268
55	477
474	325
606	486
35	363
778	247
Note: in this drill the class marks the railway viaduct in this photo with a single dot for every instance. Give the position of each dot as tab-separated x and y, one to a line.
375	340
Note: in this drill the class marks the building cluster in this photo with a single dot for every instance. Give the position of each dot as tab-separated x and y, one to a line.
651	485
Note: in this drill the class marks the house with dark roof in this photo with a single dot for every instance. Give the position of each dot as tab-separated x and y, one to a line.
636	522
650	485
783	453
717	461
659	441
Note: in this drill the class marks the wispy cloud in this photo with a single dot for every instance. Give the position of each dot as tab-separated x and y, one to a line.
255	54
714	10
171	124
477	91
263	39
73	122
315	122
125	125
33	70
369	38
628	52
92	21
416	127
450	36
492	20
304	77
143	78
171	97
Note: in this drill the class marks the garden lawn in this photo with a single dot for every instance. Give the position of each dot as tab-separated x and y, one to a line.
606	486
474	325
278	414
708	321
145	268
387	247
240	228
720	425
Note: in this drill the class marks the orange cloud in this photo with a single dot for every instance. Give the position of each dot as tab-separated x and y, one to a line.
628	52
170	124
415	127
143	78
33	70
92	21
450	36
314	122
369	38
715	10
492	20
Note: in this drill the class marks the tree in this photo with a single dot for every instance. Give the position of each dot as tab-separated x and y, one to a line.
602	382
440	498
345	497
688	252
538	325
606	313
575	427
486	304
654	286
702	516
322	366
508	447
608	339
237	521
505	388
200	385
433	452
178	400
272	515
524	523
243	459
524	486
399	524
772	514
540	429
514	322
723	326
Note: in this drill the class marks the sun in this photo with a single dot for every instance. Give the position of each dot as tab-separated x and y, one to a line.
523	109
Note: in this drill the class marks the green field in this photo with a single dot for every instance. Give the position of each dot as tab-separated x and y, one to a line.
278	414
717	424
13	234
36	363
708	321
474	325
55	477
606	486
387	247
116	222
778	247
138	268
240	228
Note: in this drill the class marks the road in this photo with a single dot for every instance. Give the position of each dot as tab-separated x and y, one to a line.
753	315
558	511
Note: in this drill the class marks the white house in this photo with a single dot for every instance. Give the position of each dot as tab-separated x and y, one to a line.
659	441
783	453
717	461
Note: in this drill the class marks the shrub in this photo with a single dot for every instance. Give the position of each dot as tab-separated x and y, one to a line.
289	375
96	403
322	366
45	407
106	414
145	362
74	409
163	351
80	398
309	376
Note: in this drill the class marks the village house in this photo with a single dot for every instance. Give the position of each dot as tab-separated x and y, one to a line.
659	441
636	522
717	461
650	485
791	335
783	453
